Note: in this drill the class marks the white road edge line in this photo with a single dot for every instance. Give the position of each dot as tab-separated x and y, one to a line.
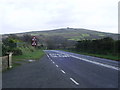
63	71
94	62
97	63
56	65
53	62
74	81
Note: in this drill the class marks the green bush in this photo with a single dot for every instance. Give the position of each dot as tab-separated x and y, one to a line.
17	51
100	46
5	49
31	50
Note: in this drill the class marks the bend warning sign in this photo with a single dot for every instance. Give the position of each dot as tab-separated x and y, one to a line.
34	41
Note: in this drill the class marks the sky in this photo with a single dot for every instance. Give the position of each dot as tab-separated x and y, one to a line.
18	16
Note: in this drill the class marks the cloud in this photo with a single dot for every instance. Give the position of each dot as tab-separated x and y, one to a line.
28	15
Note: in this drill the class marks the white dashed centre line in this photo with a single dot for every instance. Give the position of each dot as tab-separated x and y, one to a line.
63	71
56	65
48	56
74	81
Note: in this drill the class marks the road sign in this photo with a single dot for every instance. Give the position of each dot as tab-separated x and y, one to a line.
34	41
34	44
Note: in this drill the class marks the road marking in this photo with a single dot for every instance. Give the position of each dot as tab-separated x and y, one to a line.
105	65
62	71
56	65
50	58
48	55
94	62
59	55
74	81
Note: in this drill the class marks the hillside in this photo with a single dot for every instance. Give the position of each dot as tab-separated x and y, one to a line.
71	34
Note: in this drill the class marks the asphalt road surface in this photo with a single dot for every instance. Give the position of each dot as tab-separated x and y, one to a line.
60	69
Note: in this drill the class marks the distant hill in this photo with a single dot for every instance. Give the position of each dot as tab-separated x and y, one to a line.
71	34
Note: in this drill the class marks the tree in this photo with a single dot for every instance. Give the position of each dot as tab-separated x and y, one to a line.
26	38
101	46
10	45
56	42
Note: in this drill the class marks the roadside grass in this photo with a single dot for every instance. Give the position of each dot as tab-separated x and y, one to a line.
37	54
108	56
28	53
16	64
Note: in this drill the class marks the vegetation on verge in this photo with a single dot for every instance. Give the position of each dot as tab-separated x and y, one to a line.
105	48
21	48
36	54
82	41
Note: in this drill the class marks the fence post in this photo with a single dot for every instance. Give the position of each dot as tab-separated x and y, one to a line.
10	60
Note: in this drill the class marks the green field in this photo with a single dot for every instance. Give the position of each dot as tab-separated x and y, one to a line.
71	34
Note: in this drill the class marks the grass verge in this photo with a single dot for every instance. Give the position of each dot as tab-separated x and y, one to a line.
28	54
37	54
112	57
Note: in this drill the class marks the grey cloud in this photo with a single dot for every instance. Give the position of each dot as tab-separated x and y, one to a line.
25	15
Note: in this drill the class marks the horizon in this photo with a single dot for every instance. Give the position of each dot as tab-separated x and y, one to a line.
56	29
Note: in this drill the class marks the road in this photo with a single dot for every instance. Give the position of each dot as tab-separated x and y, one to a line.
60	69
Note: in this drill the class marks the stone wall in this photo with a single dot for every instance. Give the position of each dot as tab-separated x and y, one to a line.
0	64
5	62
